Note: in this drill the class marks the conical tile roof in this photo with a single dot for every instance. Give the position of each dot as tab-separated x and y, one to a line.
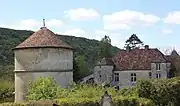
43	38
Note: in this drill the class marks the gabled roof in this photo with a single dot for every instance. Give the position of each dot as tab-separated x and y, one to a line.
43	38
172	56
174	53
105	61
137	59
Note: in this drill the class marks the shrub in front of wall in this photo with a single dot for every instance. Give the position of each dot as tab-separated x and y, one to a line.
43	88
160	91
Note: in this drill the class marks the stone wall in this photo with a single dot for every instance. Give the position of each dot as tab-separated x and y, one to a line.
125	76
32	63
105	72
164	69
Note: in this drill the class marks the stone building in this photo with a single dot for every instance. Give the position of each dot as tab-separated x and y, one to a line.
127	66
41	55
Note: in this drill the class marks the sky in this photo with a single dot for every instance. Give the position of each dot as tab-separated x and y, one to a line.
155	22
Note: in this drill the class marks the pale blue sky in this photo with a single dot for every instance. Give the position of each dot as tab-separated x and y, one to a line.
94	18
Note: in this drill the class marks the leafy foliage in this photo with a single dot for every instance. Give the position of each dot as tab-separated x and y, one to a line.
162	92
133	42
81	68
43	88
80	95
6	91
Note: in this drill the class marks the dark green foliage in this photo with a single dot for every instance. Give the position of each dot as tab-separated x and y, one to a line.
105	48
133	42
76	70
81	68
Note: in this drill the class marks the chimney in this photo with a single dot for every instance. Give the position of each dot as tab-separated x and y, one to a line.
146	47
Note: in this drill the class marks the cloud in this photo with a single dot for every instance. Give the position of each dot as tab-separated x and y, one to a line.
75	32
172	18
31	24
82	14
127	18
54	23
166	31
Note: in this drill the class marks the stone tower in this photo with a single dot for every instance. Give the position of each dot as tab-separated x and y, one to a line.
41	55
103	71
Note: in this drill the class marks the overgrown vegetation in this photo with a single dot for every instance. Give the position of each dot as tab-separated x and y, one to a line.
6	91
161	92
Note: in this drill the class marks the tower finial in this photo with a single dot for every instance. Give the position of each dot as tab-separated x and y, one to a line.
44	23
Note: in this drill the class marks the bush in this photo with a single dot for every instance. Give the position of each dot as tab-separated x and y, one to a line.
131	101
161	91
32	103
43	88
6	91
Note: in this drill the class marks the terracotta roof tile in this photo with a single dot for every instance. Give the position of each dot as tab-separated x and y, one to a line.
138	59
43	38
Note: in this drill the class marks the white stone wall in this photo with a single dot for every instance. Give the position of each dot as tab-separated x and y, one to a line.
165	67
125	76
32	63
106	73
43	59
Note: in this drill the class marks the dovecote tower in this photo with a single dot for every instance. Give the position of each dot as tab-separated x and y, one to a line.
42	54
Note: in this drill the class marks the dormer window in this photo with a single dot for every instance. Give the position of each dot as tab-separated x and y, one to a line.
158	66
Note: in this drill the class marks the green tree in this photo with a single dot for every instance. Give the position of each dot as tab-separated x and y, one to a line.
105	48
43	88
133	42
81	68
76	73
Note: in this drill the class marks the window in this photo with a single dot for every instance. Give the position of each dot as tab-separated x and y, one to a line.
116	77
133	77
158	75
150	75
158	66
